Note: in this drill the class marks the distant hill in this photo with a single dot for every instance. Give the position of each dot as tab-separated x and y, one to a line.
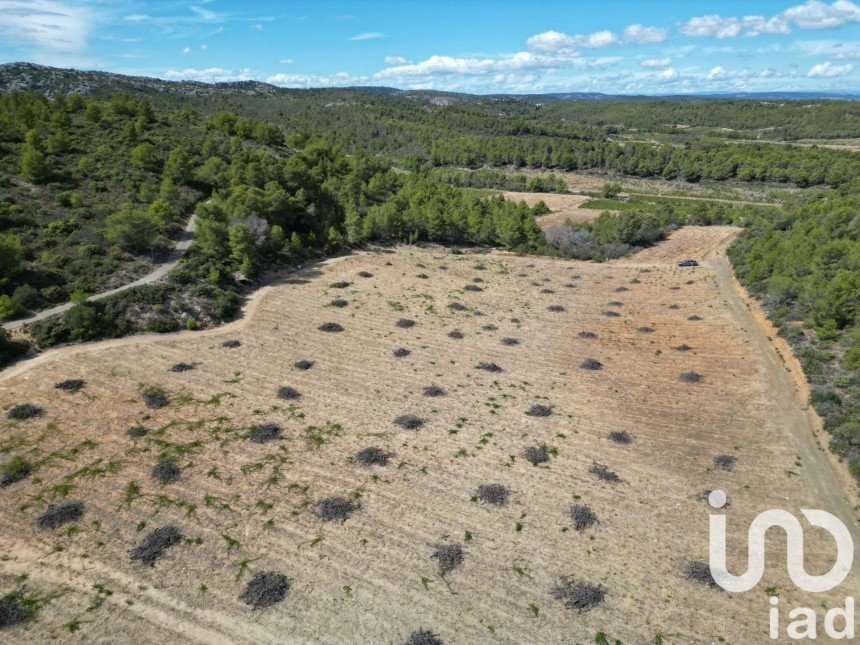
53	81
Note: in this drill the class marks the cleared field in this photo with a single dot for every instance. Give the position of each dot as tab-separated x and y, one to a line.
564	207
245	505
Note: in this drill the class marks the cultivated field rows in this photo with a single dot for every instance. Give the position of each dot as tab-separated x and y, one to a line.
245	507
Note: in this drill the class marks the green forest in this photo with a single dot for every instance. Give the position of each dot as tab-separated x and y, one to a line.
95	191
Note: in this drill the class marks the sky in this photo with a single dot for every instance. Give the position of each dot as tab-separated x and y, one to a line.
481	46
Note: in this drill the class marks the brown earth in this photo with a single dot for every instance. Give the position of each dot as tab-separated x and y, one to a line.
246	507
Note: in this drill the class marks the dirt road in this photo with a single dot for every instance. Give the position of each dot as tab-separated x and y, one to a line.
159	272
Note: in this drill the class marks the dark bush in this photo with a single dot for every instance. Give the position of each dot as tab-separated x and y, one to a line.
330	327
423	276
71	385
409	421
538	410
25	411
691	377
373	456
343	284
621	289
591	364
265	589
340	303
587	334
682	348
456	334
13	611
536	455
450	556
602	472
163	325
303	365
556	308
289	393
699	571
166	471
155	544
265	432
472	287
58	514
423	637
15	470
489	367
365	274
583	517
494	494
510	341
155	399
231	344
611	314
645	330
433	390
580	596
620	436
489	328
400	352
456	306
182	367
725	462
405	323
335	509
694	317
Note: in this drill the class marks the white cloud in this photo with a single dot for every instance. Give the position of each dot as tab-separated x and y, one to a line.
204	47
656	62
829	70
668	74
717	73
396	60
136	17
305	80
46	24
286	61
370	35
210	75
186	50
814	14
258	27
632	35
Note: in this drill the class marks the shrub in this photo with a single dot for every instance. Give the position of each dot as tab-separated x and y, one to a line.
265	432
343	284
457	306
536	455
423	637
231	344
155	544
289	393
25	411
591	364
555	308
510	341
602	472
340	303
136	432
587	334
645	330
577	595
182	367
620	436
303	365
409	421
490	328
583	517
163	325
472	287
332	327
538	410
155	399
423	276
372	456
71	385
333	509
611	314
15	470
691	377
10	349
265	589
700	572
450	556
456	334
365	274
400	352
13	611
433	390
166	471
405	323
494	494
725	462
682	348
58	514
489	367
694	317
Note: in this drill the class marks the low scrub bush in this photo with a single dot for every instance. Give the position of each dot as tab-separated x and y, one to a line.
155	544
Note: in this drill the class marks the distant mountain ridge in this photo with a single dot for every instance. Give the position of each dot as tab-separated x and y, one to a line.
54	81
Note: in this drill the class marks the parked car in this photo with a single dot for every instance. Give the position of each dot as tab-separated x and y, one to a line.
688	263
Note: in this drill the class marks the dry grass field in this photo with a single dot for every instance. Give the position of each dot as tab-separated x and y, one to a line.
244	504
564	207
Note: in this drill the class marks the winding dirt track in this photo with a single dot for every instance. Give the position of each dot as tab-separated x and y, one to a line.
371	579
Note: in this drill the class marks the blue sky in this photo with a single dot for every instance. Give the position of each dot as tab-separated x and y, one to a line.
617	46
